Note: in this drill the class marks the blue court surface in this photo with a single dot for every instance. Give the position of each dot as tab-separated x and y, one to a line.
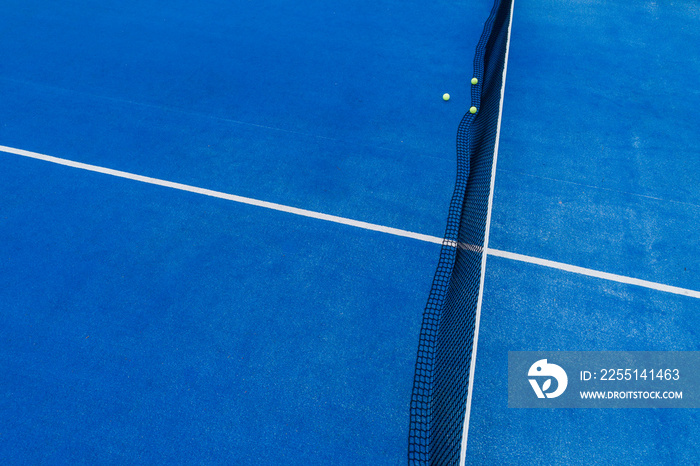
220	222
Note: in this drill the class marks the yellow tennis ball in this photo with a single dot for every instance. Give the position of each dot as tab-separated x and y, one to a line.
475	81
472	110
445	96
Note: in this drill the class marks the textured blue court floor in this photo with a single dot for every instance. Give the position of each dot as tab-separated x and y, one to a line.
145	324
598	167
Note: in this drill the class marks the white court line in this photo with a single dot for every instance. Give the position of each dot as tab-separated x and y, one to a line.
220	195
594	273
472	368
354	223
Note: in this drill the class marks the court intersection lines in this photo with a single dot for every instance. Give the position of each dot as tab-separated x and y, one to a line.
510	257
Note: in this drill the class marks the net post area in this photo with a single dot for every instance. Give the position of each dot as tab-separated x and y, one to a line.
441	379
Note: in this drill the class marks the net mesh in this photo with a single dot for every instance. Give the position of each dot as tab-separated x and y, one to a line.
441	380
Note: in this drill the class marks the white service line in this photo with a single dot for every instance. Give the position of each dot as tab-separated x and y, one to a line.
354	223
593	273
220	195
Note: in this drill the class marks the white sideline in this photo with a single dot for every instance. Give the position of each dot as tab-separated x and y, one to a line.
470	388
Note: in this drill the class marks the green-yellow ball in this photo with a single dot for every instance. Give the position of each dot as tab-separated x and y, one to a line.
472	110
475	81
445	96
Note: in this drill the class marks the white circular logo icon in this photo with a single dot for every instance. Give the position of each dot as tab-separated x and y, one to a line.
542	369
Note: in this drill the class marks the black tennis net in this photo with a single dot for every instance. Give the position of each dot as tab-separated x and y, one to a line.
441	380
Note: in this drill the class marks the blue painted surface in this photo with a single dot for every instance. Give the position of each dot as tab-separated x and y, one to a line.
145	324
364	182
615	232
141	324
532	308
599	163
598	167
256	98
